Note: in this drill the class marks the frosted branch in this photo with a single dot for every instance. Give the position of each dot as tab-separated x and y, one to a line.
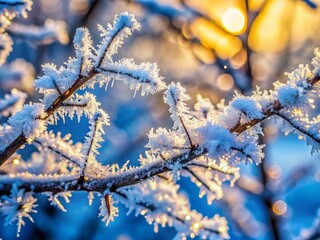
58	85
205	144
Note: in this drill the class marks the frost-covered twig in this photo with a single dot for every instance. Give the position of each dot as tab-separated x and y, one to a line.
302	125
152	208
136	175
78	73
62	146
92	140
216	137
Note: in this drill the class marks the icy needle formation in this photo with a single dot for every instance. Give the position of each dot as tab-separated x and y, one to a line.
204	144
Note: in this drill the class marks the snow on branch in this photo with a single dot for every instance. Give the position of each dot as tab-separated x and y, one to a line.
91	144
204	144
175	96
299	123
62	146
28	121
123	26
209	177
107	209
161	204
86	68
144	76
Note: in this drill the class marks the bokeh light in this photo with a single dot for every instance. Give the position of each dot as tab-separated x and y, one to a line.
234	20
274	172
225	82
279	207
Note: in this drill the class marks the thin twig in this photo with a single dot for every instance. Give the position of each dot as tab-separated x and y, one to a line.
78	83
57	152
182	123
151	207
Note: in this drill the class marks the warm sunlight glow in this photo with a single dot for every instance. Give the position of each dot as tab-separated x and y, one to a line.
197	225
255	5
16	161
212	37
279	207
234	20
205	55
239	59
225	82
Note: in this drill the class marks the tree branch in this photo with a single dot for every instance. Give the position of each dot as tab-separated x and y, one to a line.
197	178
211	167
57	152
134	176
21	139
299	128
182	123
151	207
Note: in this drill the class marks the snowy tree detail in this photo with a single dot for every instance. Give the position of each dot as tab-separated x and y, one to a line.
87	68
17	206
107	209
205	144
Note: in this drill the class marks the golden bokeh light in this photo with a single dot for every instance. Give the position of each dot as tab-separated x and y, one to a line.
205	55
225	82
278	24
197	225
269	27
274	172
239	59
255	5
279	207
212	37
16	161
234	20
79	7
